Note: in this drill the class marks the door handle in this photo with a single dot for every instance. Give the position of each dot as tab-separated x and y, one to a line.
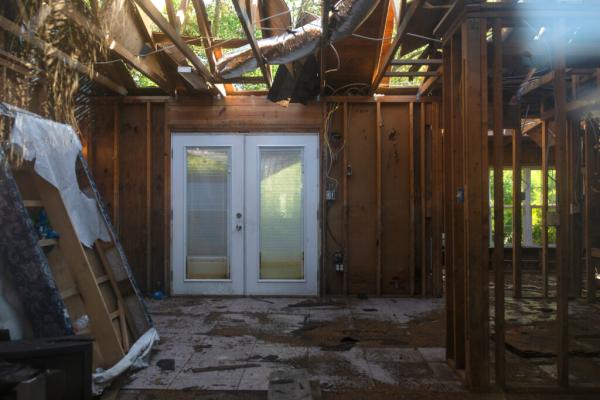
238	227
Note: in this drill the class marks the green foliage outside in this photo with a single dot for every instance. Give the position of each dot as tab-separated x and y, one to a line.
535	195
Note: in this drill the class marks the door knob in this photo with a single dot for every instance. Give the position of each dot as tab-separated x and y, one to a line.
238	227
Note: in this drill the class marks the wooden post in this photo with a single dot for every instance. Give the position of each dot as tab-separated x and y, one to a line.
411	186
562	192
148	197
437	192
587	229
545	152
500	363
116	177
449	200
378	190
476	203
423	198
167	201
346	211
458	220
517	209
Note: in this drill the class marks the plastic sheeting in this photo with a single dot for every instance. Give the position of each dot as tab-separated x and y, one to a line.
55	148
137	357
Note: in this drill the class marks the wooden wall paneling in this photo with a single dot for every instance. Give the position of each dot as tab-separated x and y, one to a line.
587	210
378	194
346	195
333	230
101	144
245	114
562	192
476	202
545	153
458	220
362	199
517	217
168	214
395	177
498	264
133	182
157	204
449	200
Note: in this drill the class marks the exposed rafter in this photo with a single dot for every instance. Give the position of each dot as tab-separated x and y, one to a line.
135	61
401	32
204	26
249	31
163	24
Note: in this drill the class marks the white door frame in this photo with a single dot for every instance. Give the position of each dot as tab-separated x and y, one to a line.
244	198
310	153
235	284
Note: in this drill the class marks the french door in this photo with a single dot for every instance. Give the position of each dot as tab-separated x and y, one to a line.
245	214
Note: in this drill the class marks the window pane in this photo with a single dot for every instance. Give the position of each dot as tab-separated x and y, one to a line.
536	226
551	186
507	180
508	226
536	187
281	214
207	200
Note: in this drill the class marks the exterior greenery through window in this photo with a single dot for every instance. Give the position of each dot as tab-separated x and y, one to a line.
531	185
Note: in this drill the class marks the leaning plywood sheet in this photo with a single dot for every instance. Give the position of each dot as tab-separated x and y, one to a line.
87	261
25	264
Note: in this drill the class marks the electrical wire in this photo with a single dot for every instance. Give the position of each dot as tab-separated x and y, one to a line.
337	56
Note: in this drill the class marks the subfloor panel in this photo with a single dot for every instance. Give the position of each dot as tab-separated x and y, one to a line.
347	345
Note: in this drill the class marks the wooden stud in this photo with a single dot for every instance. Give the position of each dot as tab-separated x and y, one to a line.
379	197
148	197
562	192
517	198
411	186
346	197
437	155
116	176
476	203
500	356
588	148
545	153
423	199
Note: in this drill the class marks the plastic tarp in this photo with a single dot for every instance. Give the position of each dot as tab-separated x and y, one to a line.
137	357
55	148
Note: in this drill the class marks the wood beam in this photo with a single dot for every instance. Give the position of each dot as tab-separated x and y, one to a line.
419	61
533	84
400	33
562	192
249	31
449	18
399	74
52	51
476	201
204	26
500	352
588	148
163	24
429	82
133	60
517	199
323	46
545	153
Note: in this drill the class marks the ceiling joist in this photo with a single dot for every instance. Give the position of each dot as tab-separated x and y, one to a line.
173	35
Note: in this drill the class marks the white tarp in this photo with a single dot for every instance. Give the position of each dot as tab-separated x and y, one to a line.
137	357
55	148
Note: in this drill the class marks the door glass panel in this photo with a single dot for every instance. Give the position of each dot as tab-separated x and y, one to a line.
281	214
207	216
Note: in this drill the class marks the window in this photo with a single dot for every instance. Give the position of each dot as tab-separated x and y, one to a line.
531	185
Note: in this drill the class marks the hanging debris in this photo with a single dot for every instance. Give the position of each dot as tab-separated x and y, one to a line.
297	43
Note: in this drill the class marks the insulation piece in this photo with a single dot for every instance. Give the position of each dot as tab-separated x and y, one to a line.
348	16
55	147
281	49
